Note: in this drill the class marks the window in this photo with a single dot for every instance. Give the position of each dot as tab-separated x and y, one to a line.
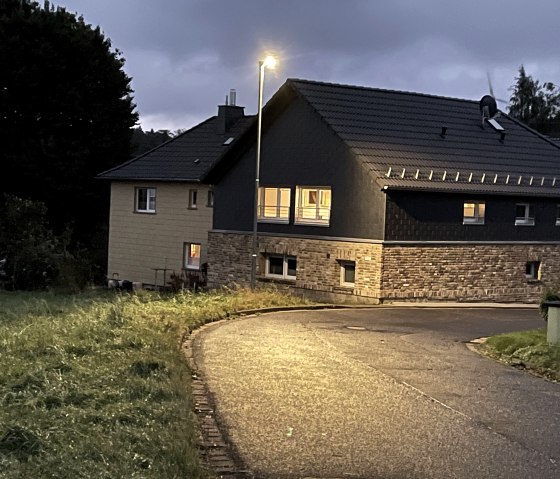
146	200
524	214
278	266
533	270
313	205
274	205
192	255
473	212
347	273
210	202
193	196
557	215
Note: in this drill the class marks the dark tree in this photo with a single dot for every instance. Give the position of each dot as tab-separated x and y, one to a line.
535	104
143	141
66	113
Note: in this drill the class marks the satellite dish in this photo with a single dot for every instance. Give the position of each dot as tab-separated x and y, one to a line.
488	106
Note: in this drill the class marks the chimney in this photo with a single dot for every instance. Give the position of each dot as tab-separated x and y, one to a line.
229	114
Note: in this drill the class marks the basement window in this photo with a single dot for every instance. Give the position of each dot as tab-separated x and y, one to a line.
533	270
524	214
281	266
348	273
473	212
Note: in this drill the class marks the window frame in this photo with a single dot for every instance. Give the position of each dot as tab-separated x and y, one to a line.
285	270
193	199
299	218
528	219
477	219
262	207
343	265
153	196
187	255
533	270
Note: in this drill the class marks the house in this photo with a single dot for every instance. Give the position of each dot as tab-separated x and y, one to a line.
376	195
161	209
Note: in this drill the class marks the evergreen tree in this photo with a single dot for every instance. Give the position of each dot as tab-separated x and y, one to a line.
66	113
535	104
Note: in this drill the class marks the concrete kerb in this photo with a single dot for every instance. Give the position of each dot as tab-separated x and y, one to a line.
216	451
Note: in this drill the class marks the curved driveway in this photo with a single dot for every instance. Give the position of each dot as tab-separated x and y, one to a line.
380	393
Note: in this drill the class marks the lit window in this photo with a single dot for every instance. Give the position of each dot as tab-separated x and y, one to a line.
210	198
473	212
533	270
274	205
524	214
192	255
278	266
347	273
146	200
193	196
313	205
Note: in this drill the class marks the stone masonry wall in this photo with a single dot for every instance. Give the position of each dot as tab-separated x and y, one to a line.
467	272
391	272
318	263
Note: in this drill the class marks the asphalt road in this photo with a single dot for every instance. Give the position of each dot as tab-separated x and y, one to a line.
380	393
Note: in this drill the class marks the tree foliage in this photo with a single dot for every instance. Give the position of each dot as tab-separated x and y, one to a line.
144	141
536	104
66	112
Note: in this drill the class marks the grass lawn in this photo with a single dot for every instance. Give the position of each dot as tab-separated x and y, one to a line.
526	349
95	385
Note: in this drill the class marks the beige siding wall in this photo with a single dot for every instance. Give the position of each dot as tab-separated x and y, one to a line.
140	242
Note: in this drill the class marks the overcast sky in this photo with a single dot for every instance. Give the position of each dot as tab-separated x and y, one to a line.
185	55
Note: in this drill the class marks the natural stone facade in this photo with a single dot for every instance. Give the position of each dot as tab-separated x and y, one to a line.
478	272
391	272
318	264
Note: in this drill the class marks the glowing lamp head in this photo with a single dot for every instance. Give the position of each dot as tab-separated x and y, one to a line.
269	62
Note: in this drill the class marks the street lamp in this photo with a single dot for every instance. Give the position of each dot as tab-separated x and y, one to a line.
268	62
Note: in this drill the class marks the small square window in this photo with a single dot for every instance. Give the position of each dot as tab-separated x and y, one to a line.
347	273
210	202
192	255
145	200
193	197
524	214
473	212
533	270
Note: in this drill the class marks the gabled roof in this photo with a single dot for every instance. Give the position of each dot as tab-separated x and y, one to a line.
398	137
187	157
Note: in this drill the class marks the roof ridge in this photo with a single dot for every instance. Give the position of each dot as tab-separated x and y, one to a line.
384	90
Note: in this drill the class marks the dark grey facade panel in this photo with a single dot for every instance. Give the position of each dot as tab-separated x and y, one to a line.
299	149
428	216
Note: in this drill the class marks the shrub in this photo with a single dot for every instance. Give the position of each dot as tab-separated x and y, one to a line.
550	294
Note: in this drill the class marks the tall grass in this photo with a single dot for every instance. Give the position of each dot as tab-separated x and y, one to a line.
95	385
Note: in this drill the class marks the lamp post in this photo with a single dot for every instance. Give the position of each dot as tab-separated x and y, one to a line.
269	62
